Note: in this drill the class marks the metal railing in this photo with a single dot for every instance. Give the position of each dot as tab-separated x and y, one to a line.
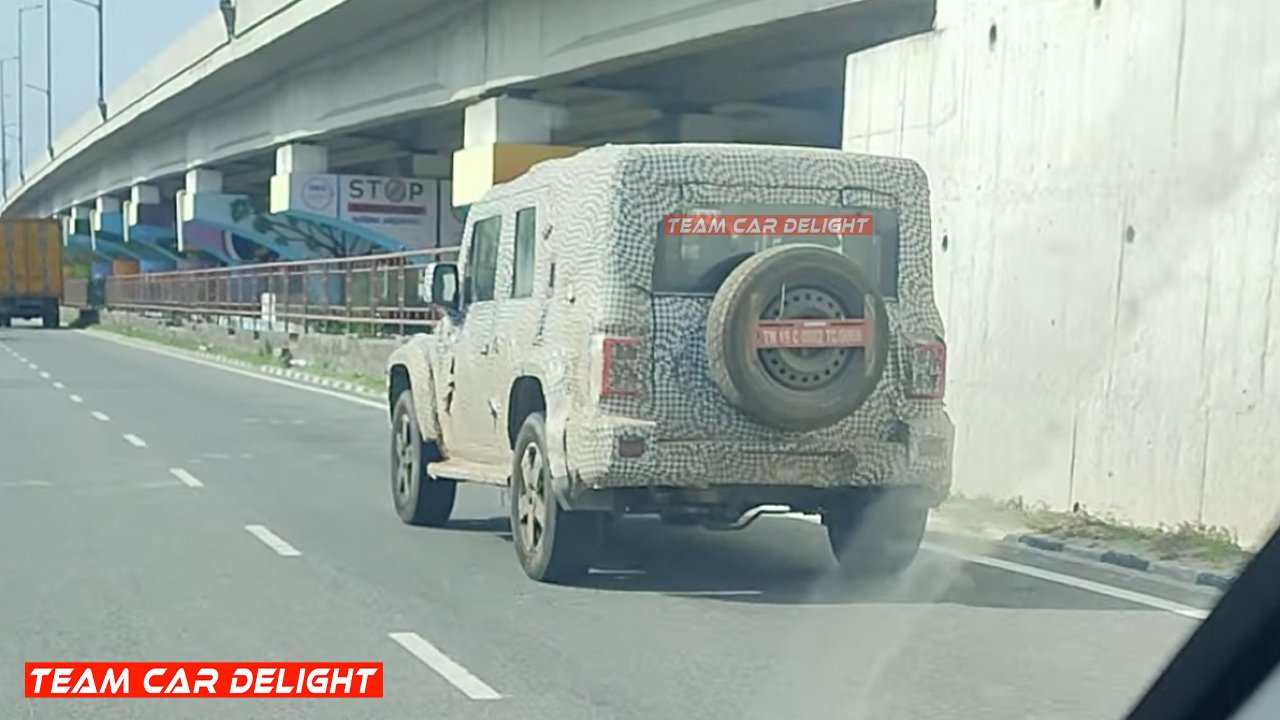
373	291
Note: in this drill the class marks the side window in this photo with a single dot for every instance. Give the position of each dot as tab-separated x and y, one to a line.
482	259
522	266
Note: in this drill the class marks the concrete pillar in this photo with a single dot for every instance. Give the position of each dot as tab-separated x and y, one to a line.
144	195
502	138
81	214
204	180
82	220
129	209
509	120
184	212
103	206
302	159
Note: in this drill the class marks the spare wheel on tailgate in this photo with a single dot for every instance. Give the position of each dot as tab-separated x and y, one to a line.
797	337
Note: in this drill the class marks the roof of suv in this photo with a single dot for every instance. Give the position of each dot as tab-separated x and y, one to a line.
718	162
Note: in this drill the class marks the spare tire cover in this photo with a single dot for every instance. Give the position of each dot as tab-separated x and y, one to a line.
797	337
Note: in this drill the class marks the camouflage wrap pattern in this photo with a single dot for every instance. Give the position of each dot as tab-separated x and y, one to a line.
598	219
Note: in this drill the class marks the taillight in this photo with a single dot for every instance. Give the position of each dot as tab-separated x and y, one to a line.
622	372
925	369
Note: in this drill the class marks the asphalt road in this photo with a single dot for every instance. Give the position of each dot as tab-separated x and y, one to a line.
107	554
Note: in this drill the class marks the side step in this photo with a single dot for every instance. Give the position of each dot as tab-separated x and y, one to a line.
470	472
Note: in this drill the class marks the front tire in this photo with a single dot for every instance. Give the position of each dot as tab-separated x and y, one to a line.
877	532
553	545
419	498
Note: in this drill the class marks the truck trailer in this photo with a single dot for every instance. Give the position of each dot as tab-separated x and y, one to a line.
30	270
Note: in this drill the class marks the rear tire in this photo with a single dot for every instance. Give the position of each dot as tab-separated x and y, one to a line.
553	545
419	498
5	321
876	532
51	318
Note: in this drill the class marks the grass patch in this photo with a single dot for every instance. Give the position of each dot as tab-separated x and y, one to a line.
265	355
1182	541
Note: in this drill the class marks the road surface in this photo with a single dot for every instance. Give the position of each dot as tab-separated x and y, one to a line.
154	508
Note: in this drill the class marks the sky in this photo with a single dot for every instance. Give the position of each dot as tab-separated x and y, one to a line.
136	30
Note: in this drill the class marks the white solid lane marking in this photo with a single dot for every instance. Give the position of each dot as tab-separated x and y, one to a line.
186	477
99	415
44	375
458	676
1112	591
273	541
237	371
75	398
58	385
1150	601
134	440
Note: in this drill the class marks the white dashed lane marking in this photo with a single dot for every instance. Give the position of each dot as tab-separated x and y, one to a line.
75	398
273	541
444	666
99	415
59	386
44	375
134	440
186	477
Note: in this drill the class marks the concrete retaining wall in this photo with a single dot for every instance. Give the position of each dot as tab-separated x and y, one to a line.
1105	244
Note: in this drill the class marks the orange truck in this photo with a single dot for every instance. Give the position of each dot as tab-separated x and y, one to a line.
30	270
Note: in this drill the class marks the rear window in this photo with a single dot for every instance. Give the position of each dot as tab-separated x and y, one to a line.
698	264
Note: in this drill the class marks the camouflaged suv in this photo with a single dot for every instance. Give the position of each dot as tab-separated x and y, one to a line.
634	330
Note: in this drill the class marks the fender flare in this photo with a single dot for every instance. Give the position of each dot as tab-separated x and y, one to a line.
414	358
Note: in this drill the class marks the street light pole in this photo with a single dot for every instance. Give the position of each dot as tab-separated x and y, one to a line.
22	84
4	130
102	97
48	77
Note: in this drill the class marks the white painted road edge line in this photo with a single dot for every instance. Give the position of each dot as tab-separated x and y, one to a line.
134	440
237	371
1138	598
1079	583
273	541
75	398
99	415
444	666
59	386
186	477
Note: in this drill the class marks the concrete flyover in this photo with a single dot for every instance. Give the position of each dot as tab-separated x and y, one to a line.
392	88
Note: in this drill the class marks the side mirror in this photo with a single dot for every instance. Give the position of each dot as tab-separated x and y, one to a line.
444	285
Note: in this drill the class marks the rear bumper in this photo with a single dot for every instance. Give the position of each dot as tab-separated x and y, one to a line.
27	306
920	457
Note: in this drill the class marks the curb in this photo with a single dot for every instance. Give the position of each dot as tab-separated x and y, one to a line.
1108	556
288	373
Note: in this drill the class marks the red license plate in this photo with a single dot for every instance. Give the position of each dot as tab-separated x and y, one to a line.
810	334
